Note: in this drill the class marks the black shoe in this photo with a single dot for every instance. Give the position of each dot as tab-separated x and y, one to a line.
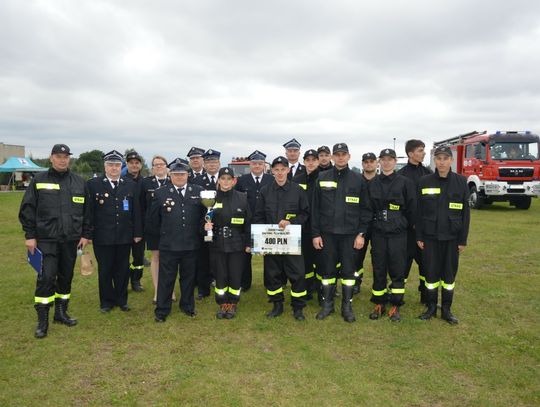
105	310
328	293
298	314
393	314
43	320
60	313
430	312
125	308
377	311
189	313
448	316
276	311
136	286
346	304
160	319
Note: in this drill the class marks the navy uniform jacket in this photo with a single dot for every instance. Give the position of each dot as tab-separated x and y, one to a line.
287	202
301	169
191	174
307	182
443	208
206	182
114	213
414	172
340	203
177	219
147	188
246	183
54	207
232	222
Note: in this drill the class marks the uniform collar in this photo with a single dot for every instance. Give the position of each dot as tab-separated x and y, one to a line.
285	186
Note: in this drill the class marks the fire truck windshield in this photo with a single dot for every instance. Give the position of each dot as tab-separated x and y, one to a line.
514	151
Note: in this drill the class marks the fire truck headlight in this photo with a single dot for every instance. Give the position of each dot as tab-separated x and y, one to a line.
492	188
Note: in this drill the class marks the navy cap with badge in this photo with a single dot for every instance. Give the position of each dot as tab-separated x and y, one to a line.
113	157
369	156
195	152
324	149
225	171
133	155
292	144
387	152
340	148
311	153
280	160
257	156
178	165
211	155
443	150
61	149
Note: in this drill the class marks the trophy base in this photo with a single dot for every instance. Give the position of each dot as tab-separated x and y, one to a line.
208	238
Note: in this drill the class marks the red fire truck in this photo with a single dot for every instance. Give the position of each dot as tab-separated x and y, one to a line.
499	167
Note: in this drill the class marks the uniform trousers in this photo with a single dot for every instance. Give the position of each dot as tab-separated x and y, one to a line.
113	273
388	256
414	253
247	272
310	260
57	271
441	259
275	266
137	264
337	250
228	268
360	257
171	264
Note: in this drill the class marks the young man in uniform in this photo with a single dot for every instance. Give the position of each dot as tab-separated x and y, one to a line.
55	218
393	201
325	158
292	152
441	231
339	219
283	203
414	170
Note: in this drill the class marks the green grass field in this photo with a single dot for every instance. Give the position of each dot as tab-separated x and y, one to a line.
492	358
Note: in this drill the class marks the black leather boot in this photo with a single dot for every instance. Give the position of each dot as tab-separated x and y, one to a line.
430	312
328	294
346	303
43	320
447	315
277	310
136	286
298	314
60	313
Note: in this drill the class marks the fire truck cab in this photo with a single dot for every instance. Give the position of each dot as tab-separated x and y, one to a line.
503	166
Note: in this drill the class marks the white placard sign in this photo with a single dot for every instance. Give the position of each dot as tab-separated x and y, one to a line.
270	239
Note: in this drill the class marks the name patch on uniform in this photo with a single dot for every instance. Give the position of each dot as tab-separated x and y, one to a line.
44	185
125	205
393	207
328	184
78	199
431	191
304	186
352	199
455	205
290	216
237	221
218	205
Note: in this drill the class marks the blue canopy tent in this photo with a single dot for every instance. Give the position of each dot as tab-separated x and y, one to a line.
19	164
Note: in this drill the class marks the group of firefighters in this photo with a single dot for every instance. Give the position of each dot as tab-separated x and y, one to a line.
410	214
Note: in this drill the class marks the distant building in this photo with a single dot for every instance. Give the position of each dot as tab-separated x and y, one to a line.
10	150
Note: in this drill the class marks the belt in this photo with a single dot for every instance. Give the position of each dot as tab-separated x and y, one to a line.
225	231
385	215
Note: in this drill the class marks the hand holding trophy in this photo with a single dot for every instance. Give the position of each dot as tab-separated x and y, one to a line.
208	199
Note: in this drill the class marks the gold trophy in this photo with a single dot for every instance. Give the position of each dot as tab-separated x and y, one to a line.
208	199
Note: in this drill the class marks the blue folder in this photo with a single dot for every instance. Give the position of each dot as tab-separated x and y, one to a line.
36	261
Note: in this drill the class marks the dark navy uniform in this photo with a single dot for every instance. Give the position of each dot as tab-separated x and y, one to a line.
251	186
147	189
393	201
414	173
297	168
55	212
442	224
340	212
116	221
195	152
178	216
277	203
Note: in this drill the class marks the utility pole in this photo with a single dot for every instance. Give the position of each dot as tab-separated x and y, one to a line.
394	144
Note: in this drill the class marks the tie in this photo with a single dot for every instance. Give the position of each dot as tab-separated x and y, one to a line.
257	182
213	179
179	190
115	184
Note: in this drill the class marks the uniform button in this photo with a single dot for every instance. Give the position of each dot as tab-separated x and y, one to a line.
183	217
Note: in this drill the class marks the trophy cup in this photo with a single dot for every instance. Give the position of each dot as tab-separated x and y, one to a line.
208	199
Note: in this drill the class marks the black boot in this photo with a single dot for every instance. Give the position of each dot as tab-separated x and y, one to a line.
277	310
430	312
346	303
60	313
136	286
328	293
356	287
447	315
43	320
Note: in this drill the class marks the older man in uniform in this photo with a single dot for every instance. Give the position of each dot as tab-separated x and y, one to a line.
178	216
251	184
441	231
339	219
116	223
196	162
55	219
283	203
292	152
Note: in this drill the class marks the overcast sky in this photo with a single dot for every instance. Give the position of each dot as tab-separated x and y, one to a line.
162	76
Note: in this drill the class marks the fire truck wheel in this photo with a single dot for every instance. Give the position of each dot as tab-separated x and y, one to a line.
523	202
476	201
